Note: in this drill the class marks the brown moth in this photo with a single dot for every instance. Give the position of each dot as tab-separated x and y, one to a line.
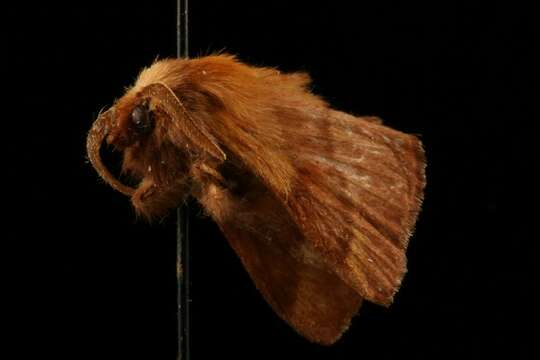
319	205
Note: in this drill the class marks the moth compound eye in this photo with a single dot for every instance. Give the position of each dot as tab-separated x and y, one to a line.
142	119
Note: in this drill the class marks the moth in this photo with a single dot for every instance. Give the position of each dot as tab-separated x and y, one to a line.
318	204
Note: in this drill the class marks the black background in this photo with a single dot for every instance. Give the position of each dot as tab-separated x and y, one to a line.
89	281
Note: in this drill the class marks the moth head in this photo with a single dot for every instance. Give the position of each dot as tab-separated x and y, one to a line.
159	139
133	122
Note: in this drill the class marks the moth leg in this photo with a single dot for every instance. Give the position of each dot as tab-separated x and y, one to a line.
205	172
211	189
142	194
153	200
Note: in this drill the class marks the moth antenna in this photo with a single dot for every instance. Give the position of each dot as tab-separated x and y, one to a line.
171	104
96	136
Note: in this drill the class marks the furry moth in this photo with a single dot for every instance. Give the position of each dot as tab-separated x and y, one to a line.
318	204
